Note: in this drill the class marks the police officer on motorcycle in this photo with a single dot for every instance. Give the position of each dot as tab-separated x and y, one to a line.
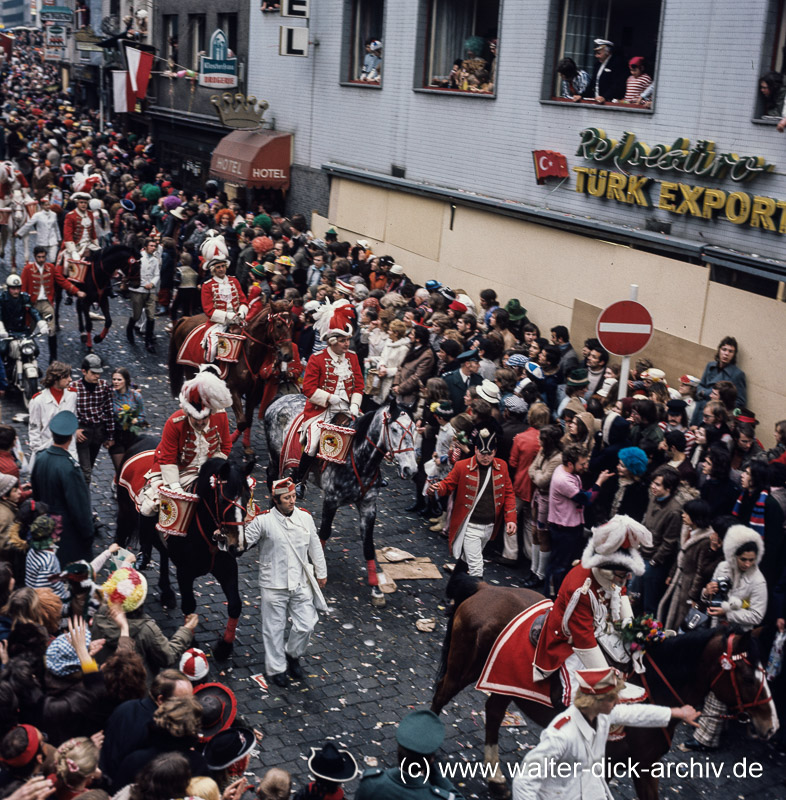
18	315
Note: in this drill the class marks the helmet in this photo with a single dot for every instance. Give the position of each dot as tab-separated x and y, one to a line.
13	280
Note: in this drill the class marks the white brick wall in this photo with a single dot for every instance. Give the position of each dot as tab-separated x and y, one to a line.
710	57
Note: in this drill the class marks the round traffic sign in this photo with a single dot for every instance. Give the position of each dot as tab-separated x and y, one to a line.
624	327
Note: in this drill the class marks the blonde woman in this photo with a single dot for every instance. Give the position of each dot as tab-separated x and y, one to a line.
76	767
392	357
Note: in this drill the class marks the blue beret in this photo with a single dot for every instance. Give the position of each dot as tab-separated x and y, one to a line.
634	459
64	423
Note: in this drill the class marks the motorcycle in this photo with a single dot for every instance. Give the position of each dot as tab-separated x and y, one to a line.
21	366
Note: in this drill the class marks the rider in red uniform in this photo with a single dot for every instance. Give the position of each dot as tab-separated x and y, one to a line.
223	301
191	436
580	631
79	230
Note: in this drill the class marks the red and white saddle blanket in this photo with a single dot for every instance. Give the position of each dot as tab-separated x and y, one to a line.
508	668
132	476
192	353
291	449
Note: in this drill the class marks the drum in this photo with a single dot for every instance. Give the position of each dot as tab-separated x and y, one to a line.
77	270
5	216
176	511
229	346
334	442
31	206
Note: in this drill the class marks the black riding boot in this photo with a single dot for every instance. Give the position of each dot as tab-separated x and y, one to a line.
301	473
52	349
130	331
150	339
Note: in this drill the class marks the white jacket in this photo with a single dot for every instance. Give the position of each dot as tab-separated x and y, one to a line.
47	232
393	355
42	408
570	739
278	536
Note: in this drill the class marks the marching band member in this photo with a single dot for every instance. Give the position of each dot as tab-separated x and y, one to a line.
332	384
579	632
223	301
191	436
79	230
287	538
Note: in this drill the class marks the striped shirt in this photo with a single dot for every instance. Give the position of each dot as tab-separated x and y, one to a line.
39	565
635	86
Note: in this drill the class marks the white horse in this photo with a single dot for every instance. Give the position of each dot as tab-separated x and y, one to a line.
14	213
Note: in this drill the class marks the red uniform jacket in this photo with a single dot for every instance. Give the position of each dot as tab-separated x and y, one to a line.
554	646
257	299
178	440
463	479
320	374
212	300
75	224
32	278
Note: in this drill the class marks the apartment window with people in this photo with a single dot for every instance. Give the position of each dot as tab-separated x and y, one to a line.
170	37
228	24
196	29
606	53
461	46
771	86
365	45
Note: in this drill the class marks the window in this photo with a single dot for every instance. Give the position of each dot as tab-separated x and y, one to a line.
632	28
228	24
461	46
170	37
771	86
365	44
196	29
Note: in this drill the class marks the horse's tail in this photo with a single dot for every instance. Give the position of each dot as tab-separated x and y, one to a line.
460	586
175	369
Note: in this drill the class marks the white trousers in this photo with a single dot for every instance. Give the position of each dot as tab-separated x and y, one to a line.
476	537
276	605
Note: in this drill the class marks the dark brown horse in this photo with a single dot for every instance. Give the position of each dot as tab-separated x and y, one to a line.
680	670
267	343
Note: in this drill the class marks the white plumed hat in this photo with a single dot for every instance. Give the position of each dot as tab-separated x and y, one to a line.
616	544
204	394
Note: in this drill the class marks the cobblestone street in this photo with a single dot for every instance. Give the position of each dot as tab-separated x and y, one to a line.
366	667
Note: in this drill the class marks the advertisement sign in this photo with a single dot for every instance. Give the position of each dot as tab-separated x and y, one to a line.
54	43
56	14
217	69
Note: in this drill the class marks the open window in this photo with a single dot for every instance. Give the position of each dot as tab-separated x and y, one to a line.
170	31
228	24
634	29
461	46
771	86
197	27
365	46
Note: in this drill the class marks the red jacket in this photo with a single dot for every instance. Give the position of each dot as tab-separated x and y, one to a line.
31	281
178	440
525	447
554	647
212	300
320	380
463	479
75	224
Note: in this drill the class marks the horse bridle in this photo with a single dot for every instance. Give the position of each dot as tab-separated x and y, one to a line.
728	661
279	315
218	491
388	442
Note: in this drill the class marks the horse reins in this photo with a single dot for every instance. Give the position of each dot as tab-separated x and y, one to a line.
388	443
271	345
218	489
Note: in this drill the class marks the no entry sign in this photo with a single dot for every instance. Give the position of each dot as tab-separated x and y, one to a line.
624	327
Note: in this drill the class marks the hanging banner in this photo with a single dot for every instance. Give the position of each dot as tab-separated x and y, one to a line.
54	43
218	69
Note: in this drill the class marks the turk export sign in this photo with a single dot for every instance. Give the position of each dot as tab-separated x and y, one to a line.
700	160
218	70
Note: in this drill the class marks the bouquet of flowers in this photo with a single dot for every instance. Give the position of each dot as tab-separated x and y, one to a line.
128	418
641	632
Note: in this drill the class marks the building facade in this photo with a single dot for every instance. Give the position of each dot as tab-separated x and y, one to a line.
684	196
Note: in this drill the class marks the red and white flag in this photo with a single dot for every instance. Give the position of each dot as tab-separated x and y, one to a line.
549	164
140	65
125	99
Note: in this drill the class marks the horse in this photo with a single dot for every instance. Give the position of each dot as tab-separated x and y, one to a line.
215	537
385	433
681	669
22	207
103	264
267	343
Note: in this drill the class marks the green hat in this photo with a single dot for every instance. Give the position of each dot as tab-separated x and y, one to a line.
263	221
421	732
578	377
257	269
64	423
515	311
468	355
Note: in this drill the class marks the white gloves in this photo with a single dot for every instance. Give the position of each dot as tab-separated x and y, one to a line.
354	410
41	328
3	331
334	400
176	487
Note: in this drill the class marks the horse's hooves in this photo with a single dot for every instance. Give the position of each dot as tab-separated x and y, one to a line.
378	599
168	598
499	790
223	649
98	338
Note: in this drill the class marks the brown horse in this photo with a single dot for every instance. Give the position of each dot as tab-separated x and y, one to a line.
267	343
680	670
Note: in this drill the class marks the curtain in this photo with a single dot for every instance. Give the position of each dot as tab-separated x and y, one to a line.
367	21
586	21
451	23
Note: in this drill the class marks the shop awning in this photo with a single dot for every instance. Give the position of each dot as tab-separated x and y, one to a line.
259	159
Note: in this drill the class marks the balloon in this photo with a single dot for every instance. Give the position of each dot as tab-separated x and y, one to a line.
181	73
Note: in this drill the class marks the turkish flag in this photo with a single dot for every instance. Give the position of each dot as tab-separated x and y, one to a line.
549	164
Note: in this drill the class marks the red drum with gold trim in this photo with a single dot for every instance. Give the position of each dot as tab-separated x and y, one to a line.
5	215
334	442
229	346
31	206
77	270
176	510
